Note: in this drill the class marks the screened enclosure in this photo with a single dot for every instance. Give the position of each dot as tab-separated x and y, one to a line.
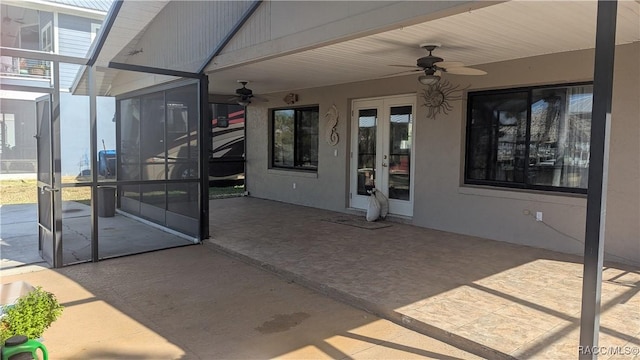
158	151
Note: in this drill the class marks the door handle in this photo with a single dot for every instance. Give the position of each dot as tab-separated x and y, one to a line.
49	189
384	164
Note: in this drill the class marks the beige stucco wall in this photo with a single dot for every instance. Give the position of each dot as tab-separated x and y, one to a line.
441	201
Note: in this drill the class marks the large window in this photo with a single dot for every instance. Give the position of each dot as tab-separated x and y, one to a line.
531	138
295	138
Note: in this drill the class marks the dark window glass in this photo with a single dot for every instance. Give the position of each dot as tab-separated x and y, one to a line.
295	138
535	138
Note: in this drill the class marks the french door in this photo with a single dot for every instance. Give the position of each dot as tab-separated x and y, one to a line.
382	151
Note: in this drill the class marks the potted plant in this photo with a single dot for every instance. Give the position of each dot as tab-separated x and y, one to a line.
30	316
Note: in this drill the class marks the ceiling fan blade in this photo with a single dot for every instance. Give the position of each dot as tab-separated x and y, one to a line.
258	99
402	72
465	71
406	66
449	64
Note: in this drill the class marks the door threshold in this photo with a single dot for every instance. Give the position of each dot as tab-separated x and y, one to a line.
402	219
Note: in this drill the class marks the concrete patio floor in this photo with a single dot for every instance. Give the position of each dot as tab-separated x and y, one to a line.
426	294
196	303
119	235
494	299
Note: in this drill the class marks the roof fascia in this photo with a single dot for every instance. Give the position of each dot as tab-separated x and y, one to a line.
56	7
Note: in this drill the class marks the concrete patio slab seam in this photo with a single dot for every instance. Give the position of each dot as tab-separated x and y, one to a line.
404	320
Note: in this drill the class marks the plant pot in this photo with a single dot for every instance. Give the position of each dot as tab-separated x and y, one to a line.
36	71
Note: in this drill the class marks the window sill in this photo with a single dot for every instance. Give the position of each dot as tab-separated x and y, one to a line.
293	172
526	195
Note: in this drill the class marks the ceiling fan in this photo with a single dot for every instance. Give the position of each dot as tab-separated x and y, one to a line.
244	95
433	67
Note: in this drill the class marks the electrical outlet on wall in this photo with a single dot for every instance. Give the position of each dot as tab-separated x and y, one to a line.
538	215
294	185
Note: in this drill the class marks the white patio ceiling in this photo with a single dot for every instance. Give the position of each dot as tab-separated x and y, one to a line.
129	25
504	31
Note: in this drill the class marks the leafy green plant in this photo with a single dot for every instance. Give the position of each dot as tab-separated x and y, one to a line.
31	315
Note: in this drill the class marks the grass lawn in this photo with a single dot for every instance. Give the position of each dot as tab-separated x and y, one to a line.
26	191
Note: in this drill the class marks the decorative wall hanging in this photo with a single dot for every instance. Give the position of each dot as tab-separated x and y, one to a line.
290	98
437	98
332	121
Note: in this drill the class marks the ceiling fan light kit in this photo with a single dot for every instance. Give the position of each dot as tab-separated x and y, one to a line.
429	79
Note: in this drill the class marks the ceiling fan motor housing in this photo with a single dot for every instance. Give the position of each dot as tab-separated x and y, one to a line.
243	91
428	61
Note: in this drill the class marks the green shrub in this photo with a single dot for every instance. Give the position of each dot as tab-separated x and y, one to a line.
31	315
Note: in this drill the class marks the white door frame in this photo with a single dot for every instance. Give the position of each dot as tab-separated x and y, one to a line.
382	105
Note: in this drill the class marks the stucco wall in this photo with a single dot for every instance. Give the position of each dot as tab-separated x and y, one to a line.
441	201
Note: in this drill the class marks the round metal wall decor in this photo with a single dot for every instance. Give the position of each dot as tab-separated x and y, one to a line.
437	98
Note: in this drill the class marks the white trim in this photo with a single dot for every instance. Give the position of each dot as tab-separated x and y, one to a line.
95	27
382	105
56	34
46	33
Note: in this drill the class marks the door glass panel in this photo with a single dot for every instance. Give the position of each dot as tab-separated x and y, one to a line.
400	137
367	126
44	141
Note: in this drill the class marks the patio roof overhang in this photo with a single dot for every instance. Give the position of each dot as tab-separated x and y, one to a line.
474	33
